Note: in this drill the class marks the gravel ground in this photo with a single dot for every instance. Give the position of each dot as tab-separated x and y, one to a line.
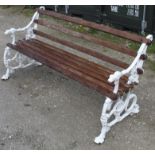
42	109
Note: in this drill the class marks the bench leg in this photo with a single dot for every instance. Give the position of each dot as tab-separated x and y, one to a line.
104	121
14	61
7	74
114	112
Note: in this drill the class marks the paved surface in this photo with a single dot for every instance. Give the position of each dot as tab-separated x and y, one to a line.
42	109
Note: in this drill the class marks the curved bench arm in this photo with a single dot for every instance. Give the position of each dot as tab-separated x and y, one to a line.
131	71
28	28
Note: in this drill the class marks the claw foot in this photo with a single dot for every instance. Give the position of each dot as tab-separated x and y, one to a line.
135	109
5	77
7	74
99	139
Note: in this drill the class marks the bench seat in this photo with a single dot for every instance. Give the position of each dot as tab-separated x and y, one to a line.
86	72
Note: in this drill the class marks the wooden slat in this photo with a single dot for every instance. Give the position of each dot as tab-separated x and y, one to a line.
61	57
99	41
51	54
69	59
80	65
101	27
83	49
76	75
95	68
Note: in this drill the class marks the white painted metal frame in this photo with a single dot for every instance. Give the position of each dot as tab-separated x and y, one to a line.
18	57
116	111
112	111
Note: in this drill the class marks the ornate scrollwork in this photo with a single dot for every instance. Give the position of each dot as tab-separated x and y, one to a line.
15	60
125	105
116	112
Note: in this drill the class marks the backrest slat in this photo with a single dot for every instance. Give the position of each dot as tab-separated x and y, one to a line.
101	27
87	37
82	49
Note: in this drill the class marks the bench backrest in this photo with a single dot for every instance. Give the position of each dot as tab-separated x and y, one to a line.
120	48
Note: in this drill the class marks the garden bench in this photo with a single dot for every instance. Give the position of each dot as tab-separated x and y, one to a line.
116	85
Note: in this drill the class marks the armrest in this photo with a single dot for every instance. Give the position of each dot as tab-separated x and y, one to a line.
13	30
28	27
142	50
132	69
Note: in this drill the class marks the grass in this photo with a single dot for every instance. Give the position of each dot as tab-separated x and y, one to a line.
151	64
115	39
109	37
151	49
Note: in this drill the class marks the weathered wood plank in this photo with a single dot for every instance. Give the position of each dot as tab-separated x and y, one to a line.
119	48
83	66
93	67
101	27
83	49
70	72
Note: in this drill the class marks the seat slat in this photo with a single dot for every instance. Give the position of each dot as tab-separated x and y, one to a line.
82	65
83	49
101	27
95	68
99	41
76	75
75	61
61	57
